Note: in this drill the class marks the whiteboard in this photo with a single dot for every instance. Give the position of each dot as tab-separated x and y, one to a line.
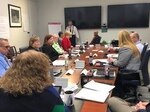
4	27
54	28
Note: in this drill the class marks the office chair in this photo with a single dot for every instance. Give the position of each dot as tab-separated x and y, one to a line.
22	49
114	43
142	77
12	53
143	92
144	50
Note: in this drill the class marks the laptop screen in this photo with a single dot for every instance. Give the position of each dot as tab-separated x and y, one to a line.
58	89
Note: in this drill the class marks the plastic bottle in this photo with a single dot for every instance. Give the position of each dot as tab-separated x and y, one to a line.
69	54
91	59
107	70
66	62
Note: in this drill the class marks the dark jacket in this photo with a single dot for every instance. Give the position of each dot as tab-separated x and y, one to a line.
31	48
96	40
47	101
50	52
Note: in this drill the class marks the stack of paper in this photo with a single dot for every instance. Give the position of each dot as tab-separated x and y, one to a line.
99	86
59	63
100	60
112	55
94	91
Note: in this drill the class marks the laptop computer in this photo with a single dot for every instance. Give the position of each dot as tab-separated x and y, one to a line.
58	89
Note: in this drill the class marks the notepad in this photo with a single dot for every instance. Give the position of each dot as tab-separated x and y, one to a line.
99	86
88	94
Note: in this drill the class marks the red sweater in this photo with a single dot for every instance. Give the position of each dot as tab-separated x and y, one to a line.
66	44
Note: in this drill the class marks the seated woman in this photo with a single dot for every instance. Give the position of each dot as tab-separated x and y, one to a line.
56	45
66	44
60	34
27	86
48	49
129	55
128	59
118	105
34	43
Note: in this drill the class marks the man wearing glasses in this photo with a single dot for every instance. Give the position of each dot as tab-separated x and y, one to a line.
4	62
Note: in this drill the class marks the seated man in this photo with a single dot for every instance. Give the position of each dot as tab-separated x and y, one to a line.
4	62
96	39
135	38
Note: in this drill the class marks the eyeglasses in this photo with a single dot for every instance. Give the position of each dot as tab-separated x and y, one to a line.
7	47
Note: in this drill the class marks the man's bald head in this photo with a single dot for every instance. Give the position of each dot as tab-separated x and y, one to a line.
135	37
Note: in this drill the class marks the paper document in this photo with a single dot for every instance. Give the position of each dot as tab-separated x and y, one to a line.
101	60
70	71
59	81
88	94
112	55
99	86
85	72
59	63
71	87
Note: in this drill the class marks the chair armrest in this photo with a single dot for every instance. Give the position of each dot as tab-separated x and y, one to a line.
129	74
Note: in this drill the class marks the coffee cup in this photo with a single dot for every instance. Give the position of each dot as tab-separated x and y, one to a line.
68	98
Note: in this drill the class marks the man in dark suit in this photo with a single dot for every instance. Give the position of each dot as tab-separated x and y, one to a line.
96	39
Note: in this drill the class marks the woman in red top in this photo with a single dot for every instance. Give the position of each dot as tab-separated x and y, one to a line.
66	44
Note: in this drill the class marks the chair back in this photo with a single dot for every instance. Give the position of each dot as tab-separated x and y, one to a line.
22	49
12	53
114	43
145	68
144	50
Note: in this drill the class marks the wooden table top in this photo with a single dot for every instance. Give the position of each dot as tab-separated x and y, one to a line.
90	106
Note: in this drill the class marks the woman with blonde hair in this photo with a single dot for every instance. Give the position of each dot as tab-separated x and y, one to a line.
128	60
66	43
34	43
27	86
129	55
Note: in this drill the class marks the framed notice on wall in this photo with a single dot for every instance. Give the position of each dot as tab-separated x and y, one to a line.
54	28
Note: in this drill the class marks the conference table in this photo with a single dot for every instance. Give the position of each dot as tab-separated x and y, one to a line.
84	105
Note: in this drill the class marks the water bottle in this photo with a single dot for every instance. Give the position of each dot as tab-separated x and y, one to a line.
66	63
107	70
69	54
91	59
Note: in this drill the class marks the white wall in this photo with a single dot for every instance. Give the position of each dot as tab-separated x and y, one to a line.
53	11
18	36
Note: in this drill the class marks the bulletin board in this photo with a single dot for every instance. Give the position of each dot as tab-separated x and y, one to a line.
54	28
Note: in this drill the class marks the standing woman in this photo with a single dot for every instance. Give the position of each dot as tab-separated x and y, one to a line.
27	86
48	49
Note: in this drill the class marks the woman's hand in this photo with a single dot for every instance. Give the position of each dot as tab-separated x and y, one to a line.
110	60
141	105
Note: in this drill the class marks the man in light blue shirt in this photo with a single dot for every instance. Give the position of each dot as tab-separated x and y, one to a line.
136	39
4	62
